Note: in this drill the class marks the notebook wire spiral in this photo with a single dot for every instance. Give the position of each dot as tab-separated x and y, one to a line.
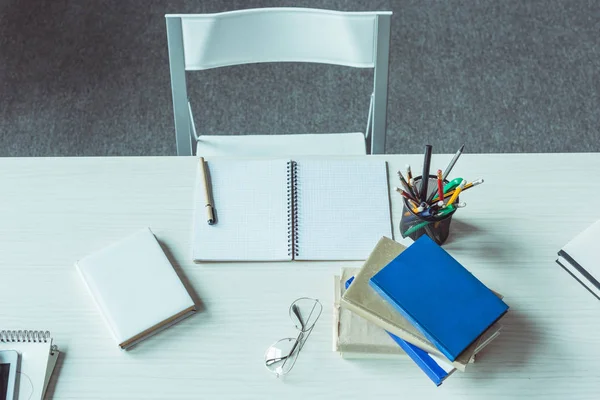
292	184
25	336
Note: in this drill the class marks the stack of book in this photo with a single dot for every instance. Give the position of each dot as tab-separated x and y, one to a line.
579	258
418	302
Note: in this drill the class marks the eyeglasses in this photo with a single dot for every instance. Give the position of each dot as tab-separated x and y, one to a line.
281	356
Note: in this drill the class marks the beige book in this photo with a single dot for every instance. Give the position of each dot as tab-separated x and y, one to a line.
354	336
363	300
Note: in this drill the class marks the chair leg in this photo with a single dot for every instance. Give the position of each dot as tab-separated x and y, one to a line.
380	85
194	134
369	130
178	87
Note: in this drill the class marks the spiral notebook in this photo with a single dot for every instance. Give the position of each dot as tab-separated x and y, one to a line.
277	210
38	358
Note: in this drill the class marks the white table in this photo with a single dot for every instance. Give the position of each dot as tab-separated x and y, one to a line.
54	211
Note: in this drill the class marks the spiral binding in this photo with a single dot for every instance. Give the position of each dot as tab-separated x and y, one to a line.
24	336
292	182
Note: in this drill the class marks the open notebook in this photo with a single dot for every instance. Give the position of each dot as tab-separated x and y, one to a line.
38	358
274	210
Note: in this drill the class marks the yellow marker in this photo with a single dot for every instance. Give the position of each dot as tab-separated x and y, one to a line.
456	193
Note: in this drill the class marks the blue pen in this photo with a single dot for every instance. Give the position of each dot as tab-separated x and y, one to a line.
428	212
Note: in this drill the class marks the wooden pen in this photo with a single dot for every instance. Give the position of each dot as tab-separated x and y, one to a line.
210	212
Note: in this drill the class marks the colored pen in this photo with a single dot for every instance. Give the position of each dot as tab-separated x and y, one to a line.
416	227
452	184
456	193
453	161
446	211
429	212
425	174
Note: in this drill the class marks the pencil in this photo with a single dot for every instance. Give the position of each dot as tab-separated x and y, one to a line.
440	188
408	173
440	183
452	162
210	212
456	193
412	204
425	174
467	186
405	194
406	186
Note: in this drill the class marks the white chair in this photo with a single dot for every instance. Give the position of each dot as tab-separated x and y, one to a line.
353	39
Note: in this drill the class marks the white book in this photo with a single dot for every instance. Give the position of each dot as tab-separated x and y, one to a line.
135	288
280	210
580	258
38	358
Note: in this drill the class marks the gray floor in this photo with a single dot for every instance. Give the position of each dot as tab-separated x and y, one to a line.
91	78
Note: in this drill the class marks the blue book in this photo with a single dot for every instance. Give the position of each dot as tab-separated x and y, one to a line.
436	370
438	296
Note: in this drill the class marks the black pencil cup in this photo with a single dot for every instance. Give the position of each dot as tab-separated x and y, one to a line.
437	229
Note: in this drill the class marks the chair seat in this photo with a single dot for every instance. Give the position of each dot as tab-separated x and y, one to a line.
282	145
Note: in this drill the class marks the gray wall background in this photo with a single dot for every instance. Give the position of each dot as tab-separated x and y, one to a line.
91	78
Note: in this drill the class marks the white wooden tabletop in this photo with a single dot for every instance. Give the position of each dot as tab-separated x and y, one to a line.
56	210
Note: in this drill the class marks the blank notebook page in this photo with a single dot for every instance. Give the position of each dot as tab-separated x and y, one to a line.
251	206
343	208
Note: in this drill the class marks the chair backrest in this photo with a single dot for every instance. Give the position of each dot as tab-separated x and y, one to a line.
204	41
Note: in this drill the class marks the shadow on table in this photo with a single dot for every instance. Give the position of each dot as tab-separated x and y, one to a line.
200	307
460	229
512	350
55	376
482	242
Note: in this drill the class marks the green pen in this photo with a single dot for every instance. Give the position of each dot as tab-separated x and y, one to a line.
446	210
416	228
450	186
